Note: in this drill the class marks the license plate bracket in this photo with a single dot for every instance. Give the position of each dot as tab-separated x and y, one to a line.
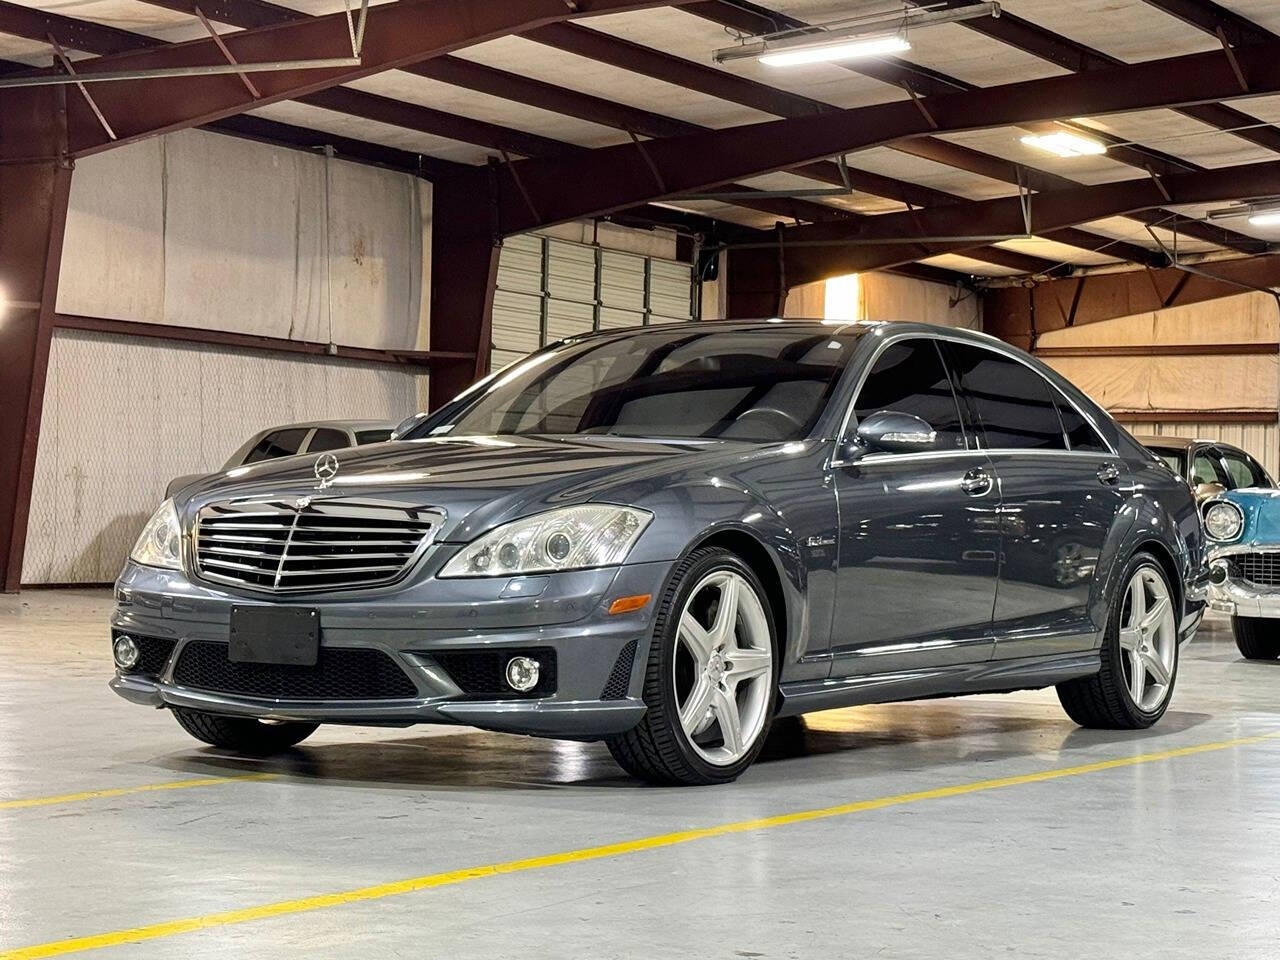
288	636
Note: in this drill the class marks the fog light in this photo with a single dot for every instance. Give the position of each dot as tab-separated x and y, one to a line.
126	652
1218	572
522	673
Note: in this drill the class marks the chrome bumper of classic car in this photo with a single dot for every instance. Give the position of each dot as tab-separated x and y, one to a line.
431	652
1243	599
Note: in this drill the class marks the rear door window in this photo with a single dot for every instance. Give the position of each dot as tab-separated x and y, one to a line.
1014	404
1081	434
278	443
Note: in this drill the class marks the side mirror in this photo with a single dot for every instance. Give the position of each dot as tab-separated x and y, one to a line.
1203	491
893	432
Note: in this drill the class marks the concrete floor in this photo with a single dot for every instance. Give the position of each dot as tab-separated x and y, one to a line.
1171	857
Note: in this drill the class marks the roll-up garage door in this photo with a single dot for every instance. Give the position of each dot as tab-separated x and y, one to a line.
551	289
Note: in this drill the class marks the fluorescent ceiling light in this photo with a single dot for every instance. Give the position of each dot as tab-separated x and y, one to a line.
1061	143
870	47
867	35
1265	218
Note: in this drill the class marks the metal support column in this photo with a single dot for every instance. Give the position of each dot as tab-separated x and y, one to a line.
464	271
33	212
754	284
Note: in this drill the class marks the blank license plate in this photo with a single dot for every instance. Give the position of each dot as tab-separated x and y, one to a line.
285	635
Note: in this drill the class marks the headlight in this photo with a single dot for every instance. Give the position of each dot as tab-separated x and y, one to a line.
570	538
1223	520
160	544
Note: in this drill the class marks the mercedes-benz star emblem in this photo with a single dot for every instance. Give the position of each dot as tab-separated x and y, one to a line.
326	469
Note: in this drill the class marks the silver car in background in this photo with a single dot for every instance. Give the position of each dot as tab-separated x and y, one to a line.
315	436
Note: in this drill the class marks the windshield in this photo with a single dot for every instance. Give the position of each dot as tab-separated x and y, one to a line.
754	384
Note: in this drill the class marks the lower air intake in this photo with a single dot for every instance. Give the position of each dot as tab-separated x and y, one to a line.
615	687
342	673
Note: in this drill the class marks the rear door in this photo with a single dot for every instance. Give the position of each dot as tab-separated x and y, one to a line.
1060	491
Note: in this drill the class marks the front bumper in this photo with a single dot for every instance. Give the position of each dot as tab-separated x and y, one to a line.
1243	599
566	613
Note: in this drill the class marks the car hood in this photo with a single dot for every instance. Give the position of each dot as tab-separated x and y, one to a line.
478	482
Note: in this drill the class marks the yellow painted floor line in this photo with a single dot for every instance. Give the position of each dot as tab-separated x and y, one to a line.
126	791
429	881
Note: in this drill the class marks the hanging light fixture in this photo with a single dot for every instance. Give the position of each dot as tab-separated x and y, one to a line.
868	36
1065	143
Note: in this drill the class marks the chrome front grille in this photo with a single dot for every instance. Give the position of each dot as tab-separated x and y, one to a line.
1260	569
303	545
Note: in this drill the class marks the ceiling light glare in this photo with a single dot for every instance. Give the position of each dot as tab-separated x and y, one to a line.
848	50
1064	144
1265	218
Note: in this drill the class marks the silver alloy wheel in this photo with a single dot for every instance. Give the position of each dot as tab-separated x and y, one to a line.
1148	639
723	667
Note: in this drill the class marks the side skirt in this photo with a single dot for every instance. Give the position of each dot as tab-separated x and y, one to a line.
989	676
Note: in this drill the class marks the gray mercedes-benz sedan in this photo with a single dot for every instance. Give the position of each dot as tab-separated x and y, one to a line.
667	537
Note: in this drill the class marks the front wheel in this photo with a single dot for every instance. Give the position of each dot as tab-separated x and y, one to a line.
1139	655
1257	638
711	678
242	734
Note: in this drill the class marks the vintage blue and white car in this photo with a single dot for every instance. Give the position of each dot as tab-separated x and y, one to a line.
1243	533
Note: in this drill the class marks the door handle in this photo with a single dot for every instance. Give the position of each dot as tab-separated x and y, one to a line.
1109	474
976	482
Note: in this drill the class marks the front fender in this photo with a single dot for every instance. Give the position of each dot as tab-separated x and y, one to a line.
798	543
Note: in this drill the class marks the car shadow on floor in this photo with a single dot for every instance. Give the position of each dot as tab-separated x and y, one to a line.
861	740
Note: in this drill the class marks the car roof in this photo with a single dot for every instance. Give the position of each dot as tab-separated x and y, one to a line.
1185	443
830	327
336	424
1171	443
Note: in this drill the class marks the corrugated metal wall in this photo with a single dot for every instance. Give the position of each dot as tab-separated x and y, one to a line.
203	230
549	288
123	415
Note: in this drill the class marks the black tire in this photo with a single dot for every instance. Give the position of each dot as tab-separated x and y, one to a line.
658	749
1103	701
243	734
1257	638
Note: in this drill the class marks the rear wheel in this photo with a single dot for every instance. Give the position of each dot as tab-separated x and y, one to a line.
1139	656
1257	638
711	678
243	734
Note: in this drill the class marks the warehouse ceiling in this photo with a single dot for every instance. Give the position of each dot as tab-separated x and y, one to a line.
646	75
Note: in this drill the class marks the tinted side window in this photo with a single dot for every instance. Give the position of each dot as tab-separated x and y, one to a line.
908	377
1012	401
372	436
328	440
281	443
1244	471
1080	432
1206	468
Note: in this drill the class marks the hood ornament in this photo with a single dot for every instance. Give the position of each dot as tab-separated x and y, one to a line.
326	469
